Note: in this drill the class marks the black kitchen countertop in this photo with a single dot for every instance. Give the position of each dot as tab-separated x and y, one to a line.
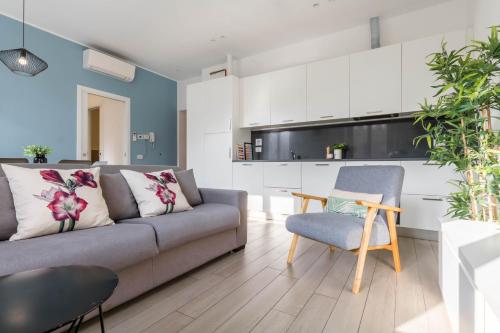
342	160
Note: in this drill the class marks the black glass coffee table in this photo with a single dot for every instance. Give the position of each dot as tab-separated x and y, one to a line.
46	299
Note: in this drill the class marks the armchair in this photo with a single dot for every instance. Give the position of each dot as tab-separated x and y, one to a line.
376	232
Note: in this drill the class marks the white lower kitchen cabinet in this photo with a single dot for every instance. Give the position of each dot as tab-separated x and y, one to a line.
282	174
318	178
422	177
360	163
250	177
279	202
423	211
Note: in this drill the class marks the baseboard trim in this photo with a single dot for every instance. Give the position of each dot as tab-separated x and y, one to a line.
418	233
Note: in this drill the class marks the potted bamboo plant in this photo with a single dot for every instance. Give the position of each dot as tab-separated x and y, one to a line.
458	125
458	130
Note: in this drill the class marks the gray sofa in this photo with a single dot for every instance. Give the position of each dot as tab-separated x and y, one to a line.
144	252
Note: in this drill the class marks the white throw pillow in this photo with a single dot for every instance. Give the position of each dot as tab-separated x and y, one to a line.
344	202
156	193
48	201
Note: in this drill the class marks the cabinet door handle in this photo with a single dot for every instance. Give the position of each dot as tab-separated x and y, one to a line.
283	191
229	151
325	117
374	112
322	164
253	124
287	121
246	164
432	199
283	164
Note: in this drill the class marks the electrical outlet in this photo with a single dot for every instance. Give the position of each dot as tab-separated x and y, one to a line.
140	157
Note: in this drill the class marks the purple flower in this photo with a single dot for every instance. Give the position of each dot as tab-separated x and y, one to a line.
52	176
66	206
152	177
166	196
168	177
83	178
47	195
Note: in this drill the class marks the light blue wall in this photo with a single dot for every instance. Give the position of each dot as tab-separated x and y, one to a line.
42	109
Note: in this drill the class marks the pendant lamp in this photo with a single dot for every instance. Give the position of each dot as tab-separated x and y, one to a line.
21	61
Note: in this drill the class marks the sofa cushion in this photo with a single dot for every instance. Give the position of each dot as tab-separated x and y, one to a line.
204	220
48	201
156	193
115	247
343	231
189	188
8	222
119	198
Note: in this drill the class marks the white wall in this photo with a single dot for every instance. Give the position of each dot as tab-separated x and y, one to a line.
181	92
448	16
429	21
485	13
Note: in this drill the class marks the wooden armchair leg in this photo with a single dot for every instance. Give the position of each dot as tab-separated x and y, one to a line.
394	240
363	249
293	246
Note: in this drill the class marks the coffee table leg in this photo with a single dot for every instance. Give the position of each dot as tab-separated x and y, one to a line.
101	319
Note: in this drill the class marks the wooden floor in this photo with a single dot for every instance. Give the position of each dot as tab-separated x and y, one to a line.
256	291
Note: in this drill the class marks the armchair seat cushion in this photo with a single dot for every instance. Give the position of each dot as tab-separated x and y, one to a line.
342	231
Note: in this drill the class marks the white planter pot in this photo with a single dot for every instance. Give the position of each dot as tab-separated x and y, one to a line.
337	154
469	275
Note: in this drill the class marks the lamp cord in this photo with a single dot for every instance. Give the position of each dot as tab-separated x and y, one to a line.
23	22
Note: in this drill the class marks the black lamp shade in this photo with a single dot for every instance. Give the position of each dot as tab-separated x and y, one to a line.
22	62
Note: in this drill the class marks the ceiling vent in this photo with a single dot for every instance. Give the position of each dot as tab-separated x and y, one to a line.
375	32
104	64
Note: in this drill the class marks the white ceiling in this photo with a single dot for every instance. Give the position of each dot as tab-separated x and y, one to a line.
173	37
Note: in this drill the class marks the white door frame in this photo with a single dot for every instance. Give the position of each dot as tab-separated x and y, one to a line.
82	120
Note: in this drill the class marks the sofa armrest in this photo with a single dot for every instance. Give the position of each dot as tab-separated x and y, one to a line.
234	198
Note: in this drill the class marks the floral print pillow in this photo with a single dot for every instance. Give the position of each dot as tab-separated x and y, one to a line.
156	193
49	201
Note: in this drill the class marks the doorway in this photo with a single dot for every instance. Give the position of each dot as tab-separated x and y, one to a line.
103	127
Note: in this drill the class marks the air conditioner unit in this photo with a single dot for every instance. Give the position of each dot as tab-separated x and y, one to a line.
104	64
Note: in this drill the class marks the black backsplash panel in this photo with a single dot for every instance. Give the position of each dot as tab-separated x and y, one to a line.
369	140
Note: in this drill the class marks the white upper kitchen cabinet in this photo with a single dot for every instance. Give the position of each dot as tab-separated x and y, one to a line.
328	89
417	78
288	95
254	101
375	81
216	101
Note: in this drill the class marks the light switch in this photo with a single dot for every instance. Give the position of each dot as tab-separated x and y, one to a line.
140	157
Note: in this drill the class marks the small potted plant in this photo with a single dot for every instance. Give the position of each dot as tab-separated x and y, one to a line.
39	153
338	150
